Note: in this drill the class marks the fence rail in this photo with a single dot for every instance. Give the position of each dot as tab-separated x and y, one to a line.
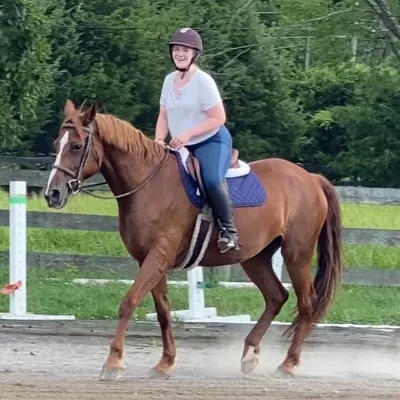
127	267
104	223
37	179
43	161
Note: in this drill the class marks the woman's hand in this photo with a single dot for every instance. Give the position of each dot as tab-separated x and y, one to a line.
161	142
179	141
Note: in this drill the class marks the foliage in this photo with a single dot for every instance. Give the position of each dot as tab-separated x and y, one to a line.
26	68
287	71
352	121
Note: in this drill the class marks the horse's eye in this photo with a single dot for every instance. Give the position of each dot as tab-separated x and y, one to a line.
76	146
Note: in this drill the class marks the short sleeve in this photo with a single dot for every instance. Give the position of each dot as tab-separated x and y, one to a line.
163	96
210	95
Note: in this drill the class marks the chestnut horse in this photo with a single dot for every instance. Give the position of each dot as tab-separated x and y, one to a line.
157	219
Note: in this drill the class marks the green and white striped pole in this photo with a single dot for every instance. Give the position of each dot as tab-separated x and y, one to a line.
18	258
18	239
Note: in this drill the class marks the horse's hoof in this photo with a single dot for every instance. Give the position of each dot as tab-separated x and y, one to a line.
163	371
284	372
249	363
110	373
162	375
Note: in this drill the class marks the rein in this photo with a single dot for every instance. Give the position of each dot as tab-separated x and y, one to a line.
75	184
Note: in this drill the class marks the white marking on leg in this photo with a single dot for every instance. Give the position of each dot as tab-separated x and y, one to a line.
63	142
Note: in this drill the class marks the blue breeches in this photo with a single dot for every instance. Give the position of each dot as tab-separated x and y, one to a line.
214	155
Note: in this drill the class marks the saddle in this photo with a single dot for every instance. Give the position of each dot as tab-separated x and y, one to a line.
193	166
205	222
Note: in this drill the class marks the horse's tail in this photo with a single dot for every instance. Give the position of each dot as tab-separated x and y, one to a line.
330	242
329	249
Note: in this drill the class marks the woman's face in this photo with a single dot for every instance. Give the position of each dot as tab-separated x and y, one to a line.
182	55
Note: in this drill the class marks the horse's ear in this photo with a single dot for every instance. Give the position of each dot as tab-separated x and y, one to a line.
69	108
89	115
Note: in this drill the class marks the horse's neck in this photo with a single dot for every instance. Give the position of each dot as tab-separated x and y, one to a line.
123	172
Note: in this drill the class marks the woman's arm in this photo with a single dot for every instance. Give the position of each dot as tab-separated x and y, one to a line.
216	117
162	120
162	124
212	105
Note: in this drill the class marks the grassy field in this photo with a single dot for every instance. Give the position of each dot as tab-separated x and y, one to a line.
354	304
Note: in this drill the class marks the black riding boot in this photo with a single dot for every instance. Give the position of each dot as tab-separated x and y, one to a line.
221	205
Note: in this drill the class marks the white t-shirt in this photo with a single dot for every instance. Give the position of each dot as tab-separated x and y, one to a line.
188	109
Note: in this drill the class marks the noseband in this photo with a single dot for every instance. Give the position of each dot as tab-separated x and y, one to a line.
75	184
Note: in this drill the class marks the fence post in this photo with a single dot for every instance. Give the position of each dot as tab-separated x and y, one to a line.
17	287
196	295
18	239
277	264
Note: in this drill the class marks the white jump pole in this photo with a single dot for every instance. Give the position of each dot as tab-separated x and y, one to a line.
277	264
196	300
18	257
197	311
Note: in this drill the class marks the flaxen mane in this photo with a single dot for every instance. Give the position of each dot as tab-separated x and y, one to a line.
126	137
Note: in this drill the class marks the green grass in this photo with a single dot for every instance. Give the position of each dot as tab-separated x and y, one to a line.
371	216
354	304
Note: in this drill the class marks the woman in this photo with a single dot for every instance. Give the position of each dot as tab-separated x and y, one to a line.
191	110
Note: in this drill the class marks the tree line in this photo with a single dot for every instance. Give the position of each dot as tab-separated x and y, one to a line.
316	82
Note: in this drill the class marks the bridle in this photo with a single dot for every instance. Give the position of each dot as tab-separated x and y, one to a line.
75	184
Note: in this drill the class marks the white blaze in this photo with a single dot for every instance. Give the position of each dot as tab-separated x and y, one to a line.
63	142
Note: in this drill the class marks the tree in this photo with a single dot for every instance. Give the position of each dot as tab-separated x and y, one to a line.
24	62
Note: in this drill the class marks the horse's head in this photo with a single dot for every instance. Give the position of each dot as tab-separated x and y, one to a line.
79	155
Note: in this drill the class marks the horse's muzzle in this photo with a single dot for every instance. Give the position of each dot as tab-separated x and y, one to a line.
57	197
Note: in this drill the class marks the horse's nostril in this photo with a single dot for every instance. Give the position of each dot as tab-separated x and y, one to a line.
54	196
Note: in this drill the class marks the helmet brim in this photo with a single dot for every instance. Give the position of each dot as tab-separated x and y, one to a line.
183	44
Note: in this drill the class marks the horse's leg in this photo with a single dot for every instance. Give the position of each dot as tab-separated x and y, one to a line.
313	296
259	270
151	271
298	264
160	296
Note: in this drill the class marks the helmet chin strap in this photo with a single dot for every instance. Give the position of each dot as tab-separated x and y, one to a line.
184	70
